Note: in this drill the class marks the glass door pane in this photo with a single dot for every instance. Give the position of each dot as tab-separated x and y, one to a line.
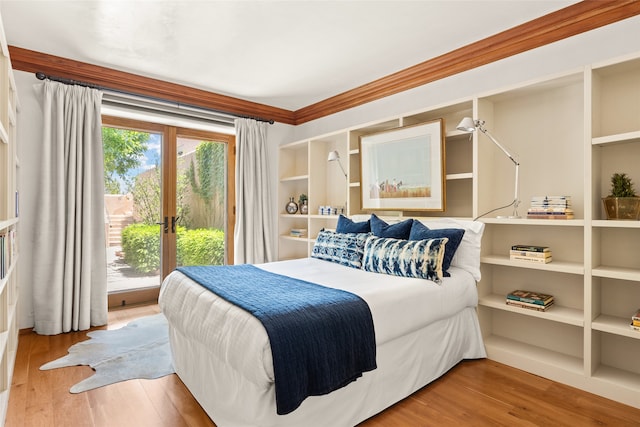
132	208
201	202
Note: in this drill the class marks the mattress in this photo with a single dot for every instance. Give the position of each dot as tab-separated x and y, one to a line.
208	334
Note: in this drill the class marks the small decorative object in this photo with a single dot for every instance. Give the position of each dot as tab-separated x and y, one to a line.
303	201
622	203
292	207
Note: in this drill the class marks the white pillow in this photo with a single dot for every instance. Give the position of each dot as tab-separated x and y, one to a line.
467	256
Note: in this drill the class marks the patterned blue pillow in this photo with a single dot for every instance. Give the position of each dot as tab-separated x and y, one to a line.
342	248
346	225
407	258
420	231
400	230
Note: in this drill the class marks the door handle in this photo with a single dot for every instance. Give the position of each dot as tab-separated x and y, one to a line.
165	223
174	220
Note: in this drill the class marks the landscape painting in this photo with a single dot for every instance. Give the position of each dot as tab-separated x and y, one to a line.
403	168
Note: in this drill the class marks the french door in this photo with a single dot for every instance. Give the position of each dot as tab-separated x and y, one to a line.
169	201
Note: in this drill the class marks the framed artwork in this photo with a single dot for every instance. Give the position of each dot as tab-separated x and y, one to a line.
403	169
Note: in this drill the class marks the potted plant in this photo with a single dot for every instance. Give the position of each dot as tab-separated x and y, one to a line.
622	203
302	201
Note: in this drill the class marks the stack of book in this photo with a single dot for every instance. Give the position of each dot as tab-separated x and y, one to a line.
529	253
550	207
530	300
298	232
635	321
7	251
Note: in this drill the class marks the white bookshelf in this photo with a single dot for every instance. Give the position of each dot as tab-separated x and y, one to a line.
8	225
570	131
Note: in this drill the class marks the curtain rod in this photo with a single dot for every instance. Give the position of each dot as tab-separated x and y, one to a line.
42	76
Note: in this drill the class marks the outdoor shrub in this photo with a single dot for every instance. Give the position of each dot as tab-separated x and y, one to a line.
141	246
201	246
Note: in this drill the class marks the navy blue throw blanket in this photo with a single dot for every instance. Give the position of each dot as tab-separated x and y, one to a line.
321	338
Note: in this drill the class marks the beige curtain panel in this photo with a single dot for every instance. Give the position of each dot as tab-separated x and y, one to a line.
70	283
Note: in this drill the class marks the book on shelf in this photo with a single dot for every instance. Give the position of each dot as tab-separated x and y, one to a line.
528	306
550	207
530	248
636	316
635	322
550	210
634	327
4	256
530	297
531	259
560	201
550	213
530	254
298	232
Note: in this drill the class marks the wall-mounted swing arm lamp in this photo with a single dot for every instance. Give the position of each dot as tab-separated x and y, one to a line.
469	125
335	156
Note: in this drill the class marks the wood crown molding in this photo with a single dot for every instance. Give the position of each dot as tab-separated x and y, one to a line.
32	61
567	22
572	20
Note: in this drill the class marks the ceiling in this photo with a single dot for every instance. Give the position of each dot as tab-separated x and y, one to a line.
286	54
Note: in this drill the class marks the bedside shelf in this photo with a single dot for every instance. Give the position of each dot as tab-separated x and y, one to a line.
615	325
535	222
556	313
557	266
616	273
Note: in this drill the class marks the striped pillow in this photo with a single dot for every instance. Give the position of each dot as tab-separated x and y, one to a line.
342	248
407	258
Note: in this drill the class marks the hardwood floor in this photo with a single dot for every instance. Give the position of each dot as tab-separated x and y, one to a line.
474	393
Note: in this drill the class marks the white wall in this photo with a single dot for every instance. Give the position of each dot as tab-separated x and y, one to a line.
598	45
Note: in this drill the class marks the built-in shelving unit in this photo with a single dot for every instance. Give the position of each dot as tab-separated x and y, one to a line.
570	132
8	225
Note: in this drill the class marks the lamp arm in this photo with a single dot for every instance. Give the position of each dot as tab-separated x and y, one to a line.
500	146
516	196
343	171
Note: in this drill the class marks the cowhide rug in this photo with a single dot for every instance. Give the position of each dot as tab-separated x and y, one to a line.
138	350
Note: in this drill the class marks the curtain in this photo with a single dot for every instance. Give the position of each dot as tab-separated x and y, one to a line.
70	283
253	238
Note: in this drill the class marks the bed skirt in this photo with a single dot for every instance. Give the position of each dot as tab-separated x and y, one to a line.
405	364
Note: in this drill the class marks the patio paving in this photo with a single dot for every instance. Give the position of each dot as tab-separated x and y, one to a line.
121	277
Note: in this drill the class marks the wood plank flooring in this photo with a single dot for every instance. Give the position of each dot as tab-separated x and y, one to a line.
474	393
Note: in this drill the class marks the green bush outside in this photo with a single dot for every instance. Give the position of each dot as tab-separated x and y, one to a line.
141	246
201	246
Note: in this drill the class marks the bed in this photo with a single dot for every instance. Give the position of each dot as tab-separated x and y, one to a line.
422	329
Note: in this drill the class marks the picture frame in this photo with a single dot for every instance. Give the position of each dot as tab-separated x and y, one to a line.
404	168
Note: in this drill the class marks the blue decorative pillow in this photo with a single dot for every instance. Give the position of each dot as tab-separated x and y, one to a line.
342	248
407	258
419	231
346	225
400	230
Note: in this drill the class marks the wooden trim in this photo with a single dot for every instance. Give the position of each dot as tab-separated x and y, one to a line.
230	140
133	124
231	199
572	20
567	22
32	61
169	181
133	297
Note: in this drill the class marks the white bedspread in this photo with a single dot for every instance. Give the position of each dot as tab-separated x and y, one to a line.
398	305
